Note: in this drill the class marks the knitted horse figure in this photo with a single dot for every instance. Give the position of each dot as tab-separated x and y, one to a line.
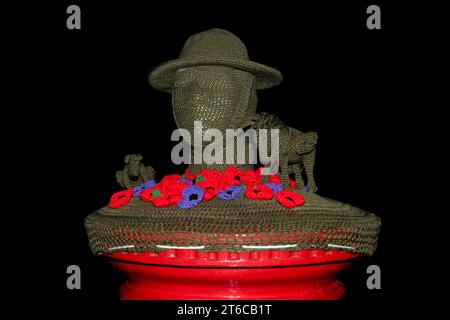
134	172
297	149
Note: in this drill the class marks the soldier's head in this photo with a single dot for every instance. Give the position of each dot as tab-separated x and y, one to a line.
213	80
219	96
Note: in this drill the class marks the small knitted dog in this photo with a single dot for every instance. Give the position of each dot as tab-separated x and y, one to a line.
134	172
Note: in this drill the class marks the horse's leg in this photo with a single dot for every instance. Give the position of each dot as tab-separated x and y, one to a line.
296	168
308	162
284	167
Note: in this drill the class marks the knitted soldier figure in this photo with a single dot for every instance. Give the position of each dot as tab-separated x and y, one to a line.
214	82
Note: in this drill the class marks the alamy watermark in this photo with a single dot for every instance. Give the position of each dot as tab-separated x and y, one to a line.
74	279
374	280
374	20
241	147
74	19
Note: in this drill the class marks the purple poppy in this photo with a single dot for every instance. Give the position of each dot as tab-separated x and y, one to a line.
192	196
149	184
146	185
231	193
276	187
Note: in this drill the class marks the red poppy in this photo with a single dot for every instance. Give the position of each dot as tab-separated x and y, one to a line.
170	178
289	199
188	175
120	198
163	201
146	195
211	187
273	178
292	184
258	192
251	177
232	176
215	174
174	188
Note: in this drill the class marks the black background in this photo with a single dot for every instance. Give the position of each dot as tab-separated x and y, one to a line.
340	80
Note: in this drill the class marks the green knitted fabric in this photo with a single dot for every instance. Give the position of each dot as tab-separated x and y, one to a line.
214	81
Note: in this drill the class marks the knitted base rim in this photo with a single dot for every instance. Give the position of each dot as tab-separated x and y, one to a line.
267	258
234	226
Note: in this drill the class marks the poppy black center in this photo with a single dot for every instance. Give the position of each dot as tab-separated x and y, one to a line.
193	197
